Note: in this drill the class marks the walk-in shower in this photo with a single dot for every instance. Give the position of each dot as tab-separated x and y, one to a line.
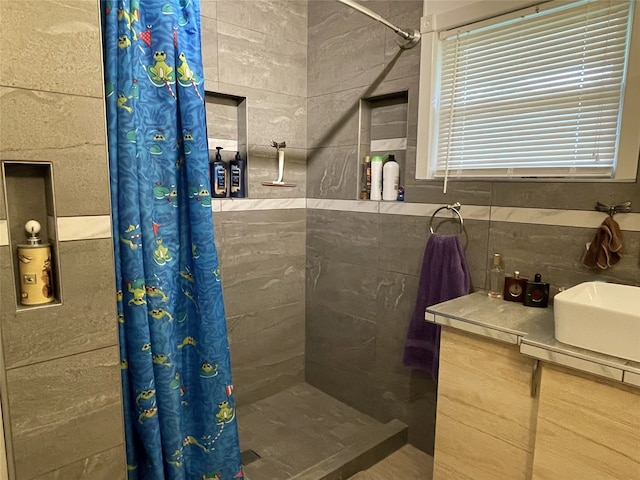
409	39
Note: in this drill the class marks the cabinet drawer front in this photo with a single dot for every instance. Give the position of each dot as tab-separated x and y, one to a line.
485	410
588	428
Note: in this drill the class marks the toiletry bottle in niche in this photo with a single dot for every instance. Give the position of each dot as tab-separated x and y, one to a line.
368	186
390	179
496	277
34	265
237	172
376	177
218	176
365	178
514	288
537	293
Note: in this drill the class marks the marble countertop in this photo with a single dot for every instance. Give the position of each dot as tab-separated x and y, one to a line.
532	329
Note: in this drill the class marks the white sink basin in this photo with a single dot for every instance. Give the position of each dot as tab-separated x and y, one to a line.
603	317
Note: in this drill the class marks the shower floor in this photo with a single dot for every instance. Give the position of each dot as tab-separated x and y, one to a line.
302	433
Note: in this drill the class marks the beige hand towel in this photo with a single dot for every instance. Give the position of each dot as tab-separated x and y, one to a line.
604	251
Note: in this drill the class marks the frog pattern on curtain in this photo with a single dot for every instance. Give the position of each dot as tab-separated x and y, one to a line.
180	420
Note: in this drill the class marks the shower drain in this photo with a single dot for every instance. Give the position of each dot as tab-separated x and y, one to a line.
249	456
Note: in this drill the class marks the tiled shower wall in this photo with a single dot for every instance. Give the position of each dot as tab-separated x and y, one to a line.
61	372
363	268
258	50
62	376
303	67
262	260
360	283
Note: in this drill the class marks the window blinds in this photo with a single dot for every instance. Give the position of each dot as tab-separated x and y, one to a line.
535	94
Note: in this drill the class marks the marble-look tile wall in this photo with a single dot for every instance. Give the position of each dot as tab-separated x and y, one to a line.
262	260
363	268
351	57
60	375
257	49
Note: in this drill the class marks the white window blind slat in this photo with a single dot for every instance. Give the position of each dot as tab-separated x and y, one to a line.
473	97
551	30
542	39
530	120
555	17
607	59
594	95
561	138
513	116
546	113
584	152
536	92
602	53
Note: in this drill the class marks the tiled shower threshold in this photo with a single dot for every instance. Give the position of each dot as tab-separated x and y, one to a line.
302	433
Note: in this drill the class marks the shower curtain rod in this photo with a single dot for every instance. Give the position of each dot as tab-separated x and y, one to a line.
409	39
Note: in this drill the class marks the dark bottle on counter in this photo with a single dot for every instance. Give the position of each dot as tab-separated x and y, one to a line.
514	288
537	293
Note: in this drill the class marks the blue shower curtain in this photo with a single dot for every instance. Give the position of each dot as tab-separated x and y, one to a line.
179	410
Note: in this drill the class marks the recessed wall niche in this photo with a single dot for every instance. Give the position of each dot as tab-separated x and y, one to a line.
383	128
227	125
29	195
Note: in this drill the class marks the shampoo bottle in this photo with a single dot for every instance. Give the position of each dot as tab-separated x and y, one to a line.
237	169
390	179
218	176
376	178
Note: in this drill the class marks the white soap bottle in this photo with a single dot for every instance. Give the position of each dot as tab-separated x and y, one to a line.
376	177
390	179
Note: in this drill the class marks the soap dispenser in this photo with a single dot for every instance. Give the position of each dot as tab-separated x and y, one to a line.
537	293
218	176
237	169
34	265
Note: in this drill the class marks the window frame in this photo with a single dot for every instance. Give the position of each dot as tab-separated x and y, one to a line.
440	16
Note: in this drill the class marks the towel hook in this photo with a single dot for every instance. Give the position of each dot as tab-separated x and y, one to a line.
455	208
613	209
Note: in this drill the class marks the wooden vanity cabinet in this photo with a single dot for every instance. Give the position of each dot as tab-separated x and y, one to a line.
576	426
588	428
485	413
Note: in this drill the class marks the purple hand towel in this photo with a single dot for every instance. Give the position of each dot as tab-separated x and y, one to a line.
444	276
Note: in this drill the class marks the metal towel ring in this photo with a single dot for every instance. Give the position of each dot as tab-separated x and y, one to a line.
454	208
